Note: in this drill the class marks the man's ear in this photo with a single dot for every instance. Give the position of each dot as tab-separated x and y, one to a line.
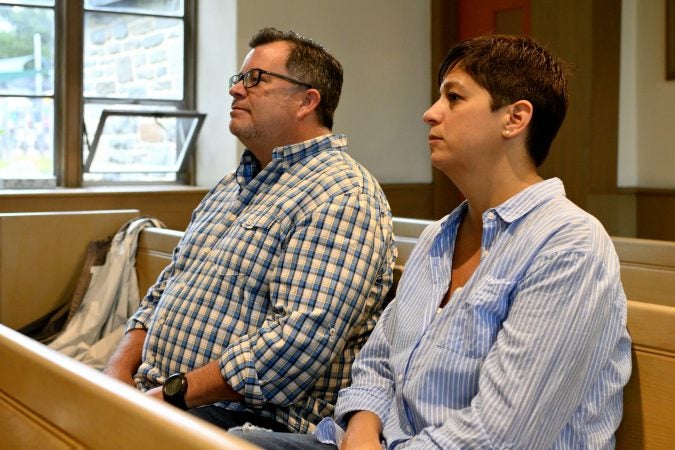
519	117
310	102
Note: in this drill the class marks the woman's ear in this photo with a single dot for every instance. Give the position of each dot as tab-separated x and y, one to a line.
519	117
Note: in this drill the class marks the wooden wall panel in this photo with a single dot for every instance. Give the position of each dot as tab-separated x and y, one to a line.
604	112
656	214
411	200
444	35
172	205
566	28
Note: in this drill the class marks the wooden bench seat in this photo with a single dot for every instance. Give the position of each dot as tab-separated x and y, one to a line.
155	247
648	275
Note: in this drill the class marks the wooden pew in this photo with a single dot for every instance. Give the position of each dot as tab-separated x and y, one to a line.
41	256
648	276
50	401
155	247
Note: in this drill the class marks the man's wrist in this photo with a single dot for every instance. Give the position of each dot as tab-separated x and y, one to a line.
175	389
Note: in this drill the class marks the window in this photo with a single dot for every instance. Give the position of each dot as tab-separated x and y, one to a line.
108	55
142	142
27	92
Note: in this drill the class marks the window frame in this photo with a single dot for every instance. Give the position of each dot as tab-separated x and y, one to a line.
69	92
186	148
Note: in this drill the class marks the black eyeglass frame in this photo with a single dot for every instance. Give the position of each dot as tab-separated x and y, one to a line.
234	79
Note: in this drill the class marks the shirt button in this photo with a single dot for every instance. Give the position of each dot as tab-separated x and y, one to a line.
400	378
484	254
491	215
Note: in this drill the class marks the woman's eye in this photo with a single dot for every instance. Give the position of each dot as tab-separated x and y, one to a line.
452	97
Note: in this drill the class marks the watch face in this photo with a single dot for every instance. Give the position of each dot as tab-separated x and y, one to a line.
173	386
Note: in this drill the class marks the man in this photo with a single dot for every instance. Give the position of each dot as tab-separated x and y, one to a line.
280	275
509	325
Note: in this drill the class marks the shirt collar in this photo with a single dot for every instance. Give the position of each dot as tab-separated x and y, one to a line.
286	156
529	198
509	211
290	154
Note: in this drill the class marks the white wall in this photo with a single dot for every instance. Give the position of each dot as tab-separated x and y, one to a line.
384	47
647	100
216	62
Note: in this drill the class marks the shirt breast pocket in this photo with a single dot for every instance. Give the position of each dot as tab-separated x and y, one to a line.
482	310
251	245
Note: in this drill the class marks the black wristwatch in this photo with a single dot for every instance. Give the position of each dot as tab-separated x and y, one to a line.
174	390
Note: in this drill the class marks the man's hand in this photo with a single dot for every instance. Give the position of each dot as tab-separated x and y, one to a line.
127	357
156	393
121	375
363	432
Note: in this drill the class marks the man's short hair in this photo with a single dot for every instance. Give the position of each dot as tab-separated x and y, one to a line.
513	68
310	63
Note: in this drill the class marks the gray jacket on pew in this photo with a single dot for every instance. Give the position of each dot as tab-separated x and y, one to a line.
93	332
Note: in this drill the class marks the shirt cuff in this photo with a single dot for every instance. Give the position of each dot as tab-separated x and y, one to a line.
238	368
135	323
329	432
355	398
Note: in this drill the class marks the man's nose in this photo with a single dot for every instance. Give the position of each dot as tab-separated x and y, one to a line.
238	89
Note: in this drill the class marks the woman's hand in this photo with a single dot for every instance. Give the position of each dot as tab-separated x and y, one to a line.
363	432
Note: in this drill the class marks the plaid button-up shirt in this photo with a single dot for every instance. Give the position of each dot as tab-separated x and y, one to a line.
280	276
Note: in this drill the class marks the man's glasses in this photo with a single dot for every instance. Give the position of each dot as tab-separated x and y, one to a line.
252	78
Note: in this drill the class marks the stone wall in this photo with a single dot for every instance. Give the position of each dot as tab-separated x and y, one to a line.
136	57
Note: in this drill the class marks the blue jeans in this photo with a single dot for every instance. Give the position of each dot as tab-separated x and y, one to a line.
226	419
239	424
281	441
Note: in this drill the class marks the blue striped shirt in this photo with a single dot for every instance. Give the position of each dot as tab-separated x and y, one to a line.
532	352
280	276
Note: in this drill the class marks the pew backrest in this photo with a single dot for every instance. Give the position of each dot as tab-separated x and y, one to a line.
41	256
648	276
48	400
30	404
155	248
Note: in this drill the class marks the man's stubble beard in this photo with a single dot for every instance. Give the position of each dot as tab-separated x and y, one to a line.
245	132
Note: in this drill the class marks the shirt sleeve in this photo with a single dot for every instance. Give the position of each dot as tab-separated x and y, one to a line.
372	387
563	325
320	290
